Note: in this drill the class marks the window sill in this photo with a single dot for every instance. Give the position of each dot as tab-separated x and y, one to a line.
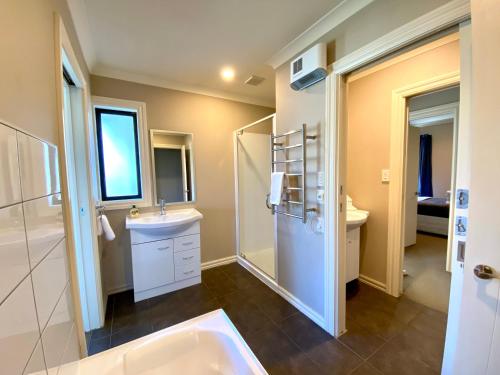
122	205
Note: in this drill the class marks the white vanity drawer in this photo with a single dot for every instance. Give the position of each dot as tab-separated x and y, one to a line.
186	242
188	256
187	271
153	264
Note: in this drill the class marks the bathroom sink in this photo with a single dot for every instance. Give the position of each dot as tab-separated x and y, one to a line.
171	219
356	218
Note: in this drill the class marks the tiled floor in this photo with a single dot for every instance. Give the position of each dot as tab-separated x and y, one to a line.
386	335
427	281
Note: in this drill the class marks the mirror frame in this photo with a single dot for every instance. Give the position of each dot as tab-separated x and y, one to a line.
152	133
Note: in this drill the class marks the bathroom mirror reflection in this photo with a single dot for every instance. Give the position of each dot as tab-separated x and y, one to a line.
173	166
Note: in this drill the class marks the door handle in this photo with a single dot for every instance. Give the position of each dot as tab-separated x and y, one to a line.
484	272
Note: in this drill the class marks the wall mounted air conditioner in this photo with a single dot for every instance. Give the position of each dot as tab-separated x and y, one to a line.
308	68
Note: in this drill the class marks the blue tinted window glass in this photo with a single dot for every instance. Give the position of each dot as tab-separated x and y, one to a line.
118	154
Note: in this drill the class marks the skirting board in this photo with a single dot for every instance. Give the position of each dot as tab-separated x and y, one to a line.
218	262
119	289
373	283
297	303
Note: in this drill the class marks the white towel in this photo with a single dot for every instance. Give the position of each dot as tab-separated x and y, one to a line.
277	180
109	235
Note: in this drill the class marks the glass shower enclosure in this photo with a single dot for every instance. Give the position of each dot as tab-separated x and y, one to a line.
255	222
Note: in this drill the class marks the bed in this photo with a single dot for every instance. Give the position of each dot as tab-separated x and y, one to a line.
433	215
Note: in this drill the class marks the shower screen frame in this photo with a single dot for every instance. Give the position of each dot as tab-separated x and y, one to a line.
270	280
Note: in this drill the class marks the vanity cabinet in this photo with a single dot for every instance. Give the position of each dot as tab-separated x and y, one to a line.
352	252
165	259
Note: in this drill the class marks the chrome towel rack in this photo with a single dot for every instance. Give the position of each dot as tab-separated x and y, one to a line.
281	149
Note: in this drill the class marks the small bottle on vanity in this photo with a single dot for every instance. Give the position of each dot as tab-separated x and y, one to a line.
134	211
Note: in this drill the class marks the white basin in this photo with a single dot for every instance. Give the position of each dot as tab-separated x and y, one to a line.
171	219
356	218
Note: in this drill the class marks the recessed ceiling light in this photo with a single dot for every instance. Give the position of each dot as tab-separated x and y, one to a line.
227	74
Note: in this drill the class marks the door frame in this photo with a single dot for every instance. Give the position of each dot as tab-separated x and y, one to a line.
263	276
397	187
429	116
65	56
446	16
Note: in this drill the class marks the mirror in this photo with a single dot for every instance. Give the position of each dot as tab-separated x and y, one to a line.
173	166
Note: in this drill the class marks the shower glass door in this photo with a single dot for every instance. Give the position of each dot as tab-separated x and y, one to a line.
255	220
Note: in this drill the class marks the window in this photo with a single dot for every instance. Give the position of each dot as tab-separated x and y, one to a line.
121	149
119	159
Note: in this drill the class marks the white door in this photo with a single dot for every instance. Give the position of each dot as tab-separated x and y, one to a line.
473	334
412	157
82	209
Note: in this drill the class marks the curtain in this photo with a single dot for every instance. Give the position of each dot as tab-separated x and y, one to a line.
425	166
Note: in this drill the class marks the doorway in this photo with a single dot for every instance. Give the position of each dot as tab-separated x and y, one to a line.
373	149
430	180
254	220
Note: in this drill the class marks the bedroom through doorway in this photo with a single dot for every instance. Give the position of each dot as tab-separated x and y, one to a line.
430	179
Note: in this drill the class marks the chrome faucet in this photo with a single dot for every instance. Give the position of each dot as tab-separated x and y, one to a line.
162	207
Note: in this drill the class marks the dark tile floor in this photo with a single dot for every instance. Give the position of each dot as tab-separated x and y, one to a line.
385	335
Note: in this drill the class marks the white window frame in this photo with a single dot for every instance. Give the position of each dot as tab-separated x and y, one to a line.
145	165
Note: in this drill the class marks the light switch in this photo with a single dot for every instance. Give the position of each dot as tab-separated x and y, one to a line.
386	175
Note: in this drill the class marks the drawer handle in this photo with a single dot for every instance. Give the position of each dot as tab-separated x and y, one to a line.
187	258
187	243
163	248
188	272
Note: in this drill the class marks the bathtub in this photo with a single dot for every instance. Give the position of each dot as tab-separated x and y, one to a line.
208	344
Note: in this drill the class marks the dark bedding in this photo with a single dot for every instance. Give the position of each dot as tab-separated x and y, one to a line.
434	207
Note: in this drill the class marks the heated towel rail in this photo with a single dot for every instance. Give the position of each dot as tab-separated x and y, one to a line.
279	156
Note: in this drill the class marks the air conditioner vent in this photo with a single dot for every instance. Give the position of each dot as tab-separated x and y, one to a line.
308	68
254	80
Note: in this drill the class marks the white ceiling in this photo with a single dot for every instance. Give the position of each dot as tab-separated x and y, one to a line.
184	43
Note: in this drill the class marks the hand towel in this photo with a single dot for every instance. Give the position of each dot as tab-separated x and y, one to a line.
109	235
277	179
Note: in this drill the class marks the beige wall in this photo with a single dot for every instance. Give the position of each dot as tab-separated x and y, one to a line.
27	64
369	117
212	121
442	156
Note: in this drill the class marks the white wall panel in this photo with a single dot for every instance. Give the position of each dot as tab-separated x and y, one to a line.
44	226
19	331
14	264
38	167
10	188
49	280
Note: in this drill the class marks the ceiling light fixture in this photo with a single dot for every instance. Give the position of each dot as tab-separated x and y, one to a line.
227	74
